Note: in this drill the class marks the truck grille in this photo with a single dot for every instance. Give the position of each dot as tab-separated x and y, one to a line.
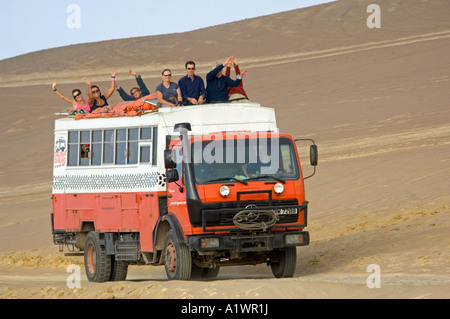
287	211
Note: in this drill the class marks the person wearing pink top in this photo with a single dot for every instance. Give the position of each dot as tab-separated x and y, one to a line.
78	102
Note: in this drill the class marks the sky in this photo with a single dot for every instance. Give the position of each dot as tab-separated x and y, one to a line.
33	25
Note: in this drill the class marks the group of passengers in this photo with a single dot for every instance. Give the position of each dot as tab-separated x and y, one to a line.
190	89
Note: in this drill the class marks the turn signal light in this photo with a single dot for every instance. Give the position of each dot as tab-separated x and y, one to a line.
209	242
294	239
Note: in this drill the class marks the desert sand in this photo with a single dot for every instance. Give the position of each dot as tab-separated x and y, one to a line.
376	101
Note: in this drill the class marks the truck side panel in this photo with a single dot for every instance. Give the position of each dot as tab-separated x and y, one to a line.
108	212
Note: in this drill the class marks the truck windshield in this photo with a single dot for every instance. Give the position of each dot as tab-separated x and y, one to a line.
244	160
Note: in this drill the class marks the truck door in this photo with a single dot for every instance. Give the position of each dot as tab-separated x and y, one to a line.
176	195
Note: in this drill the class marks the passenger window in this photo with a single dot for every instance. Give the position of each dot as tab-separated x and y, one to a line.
145	148
108	150
146	133
145	154
132	151
97	147
112	146
73	149
121	146
85	147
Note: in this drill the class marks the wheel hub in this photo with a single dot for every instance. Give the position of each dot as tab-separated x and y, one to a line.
171	258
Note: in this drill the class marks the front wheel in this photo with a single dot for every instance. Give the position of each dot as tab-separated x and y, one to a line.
177	259
285	263
96	262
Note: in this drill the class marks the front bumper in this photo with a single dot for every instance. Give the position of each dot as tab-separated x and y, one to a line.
248	242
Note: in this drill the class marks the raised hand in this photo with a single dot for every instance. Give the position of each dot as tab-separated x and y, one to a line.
133	73
243	73
229	60
88	83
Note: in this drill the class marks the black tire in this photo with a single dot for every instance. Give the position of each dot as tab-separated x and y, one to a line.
177	259
119	270
209	273
198	273
286	262
97	264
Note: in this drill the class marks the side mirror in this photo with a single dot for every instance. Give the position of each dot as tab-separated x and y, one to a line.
172	176
313	155
169	159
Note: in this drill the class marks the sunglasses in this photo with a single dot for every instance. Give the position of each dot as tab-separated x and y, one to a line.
190	69
167	74
76	95
96	91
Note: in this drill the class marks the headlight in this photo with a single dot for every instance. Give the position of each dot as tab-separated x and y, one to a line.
224	190
278	188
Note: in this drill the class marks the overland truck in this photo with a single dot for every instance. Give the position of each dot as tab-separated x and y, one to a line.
193	188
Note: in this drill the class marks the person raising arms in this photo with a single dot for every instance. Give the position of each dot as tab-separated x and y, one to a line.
217	84
136	92
236	94
96	98
78	102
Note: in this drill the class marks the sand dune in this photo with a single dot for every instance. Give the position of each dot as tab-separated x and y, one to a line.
374	100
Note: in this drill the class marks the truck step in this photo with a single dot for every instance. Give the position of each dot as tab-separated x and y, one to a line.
127	250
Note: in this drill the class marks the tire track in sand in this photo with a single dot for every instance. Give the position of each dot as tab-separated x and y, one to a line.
368	146
303	56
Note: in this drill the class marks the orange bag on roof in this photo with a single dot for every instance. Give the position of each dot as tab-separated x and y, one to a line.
133	108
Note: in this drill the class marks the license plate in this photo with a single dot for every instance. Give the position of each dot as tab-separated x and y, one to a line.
286	211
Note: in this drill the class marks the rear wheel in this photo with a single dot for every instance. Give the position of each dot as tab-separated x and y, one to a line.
198	273
119	270
96	262
210	272
285	263
177	259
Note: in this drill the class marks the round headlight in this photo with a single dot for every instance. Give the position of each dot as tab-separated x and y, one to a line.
278	188
224	190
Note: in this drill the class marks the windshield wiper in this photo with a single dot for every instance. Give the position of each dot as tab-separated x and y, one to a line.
227	179
267	176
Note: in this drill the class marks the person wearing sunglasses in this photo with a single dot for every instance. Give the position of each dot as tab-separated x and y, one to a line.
136	92
77	101
96	98
192	86
168	92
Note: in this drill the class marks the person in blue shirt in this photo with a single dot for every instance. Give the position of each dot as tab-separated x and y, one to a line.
217	84
192	86
168	92
136	92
